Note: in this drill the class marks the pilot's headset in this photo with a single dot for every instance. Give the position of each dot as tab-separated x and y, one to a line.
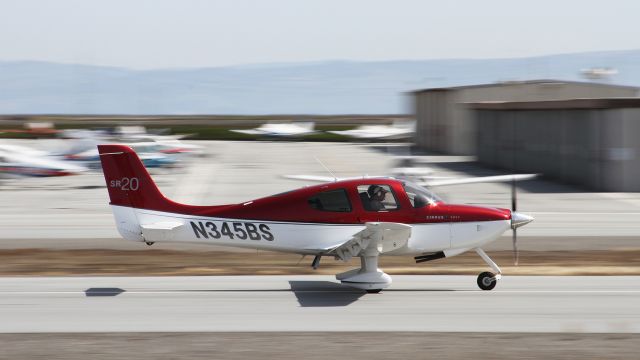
375	190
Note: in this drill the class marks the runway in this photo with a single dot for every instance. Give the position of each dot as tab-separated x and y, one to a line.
318	303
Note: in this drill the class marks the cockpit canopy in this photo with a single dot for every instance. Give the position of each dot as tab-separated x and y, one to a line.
373	196
418	195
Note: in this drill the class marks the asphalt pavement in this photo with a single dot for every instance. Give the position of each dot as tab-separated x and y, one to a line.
318	303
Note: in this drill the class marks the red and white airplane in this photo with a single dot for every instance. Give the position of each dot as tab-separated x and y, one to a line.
366	218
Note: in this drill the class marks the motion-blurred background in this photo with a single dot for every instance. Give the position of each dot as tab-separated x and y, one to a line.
227	101
223	100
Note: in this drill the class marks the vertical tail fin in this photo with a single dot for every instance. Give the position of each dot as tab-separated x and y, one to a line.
128	181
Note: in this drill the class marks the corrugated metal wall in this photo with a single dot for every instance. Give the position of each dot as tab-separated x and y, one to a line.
595	148
445	123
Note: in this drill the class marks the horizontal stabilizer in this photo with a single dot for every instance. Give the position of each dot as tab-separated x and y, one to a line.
165	226
161	231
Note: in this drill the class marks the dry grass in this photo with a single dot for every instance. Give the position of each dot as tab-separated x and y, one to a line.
165	262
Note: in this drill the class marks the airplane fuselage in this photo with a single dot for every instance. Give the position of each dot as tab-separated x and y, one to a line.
286	222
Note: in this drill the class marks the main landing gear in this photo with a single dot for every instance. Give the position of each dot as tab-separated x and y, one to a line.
488	280
368	277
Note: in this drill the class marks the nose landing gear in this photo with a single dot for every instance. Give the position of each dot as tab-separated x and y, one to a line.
488	280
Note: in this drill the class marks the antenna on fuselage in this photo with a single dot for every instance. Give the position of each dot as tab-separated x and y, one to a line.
335	179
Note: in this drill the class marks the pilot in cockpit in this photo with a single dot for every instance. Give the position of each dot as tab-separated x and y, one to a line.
377	195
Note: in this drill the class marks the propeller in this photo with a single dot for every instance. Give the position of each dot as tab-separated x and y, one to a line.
514	234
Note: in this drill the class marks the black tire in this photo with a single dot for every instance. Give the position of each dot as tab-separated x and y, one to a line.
487	280
373	291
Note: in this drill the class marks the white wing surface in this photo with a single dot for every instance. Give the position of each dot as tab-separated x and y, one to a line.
320	178
161	231
481	179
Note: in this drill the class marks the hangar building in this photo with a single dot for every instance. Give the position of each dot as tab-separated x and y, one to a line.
590	142
446	124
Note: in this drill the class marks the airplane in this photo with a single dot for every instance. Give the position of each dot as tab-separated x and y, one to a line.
150	156
156	151
21	161
398	130
85	142
281	129
365	218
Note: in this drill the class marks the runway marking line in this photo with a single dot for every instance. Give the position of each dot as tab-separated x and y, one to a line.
461	291
580	213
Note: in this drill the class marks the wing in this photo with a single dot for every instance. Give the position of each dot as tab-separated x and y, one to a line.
431	181
481	179
376	238
320	178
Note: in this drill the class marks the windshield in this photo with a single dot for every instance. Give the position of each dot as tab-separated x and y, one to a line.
419	196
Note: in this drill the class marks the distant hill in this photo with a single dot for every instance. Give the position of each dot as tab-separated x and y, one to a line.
331	87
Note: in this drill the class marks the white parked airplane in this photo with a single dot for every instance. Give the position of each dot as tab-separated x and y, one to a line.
19	161
281	129
398	130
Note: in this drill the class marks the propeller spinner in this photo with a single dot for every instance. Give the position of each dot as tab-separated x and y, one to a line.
517	220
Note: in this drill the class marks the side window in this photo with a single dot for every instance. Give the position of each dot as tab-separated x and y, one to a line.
419	196
333	200
377	197
417	200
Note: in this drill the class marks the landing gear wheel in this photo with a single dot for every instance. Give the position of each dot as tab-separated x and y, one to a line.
149	243
373	291
487	280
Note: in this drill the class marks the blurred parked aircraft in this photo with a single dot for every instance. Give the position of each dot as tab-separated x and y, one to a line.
17	161
398	130
155	150
151	154
281	129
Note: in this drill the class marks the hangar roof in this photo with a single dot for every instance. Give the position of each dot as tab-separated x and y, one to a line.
570	104
525	82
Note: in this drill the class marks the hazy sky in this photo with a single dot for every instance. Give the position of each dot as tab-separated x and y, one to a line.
191	33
